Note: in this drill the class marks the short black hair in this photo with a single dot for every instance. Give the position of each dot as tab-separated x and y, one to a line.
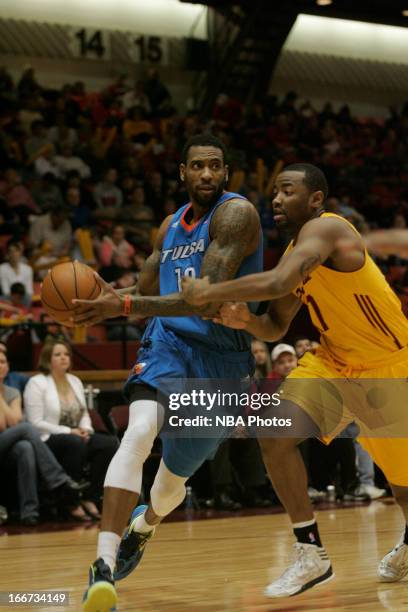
315	179
17	289
14	242
203	140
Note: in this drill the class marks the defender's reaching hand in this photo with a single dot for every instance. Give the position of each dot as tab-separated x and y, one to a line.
233	314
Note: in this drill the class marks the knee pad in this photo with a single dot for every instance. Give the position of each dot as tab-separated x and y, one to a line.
125	469
168	491
138	440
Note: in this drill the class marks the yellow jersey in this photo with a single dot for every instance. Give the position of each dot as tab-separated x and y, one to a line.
358	315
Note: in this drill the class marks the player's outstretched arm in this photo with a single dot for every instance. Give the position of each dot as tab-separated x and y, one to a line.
314	245
388	242
235	231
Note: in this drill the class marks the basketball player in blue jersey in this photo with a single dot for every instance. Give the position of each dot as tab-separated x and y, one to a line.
217	234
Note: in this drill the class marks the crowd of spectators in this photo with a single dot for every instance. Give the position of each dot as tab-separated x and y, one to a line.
80	166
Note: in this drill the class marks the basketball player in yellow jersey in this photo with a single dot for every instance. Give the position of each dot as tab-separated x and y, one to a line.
359	373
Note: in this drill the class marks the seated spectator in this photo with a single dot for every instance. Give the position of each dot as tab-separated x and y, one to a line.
21	447
136	97
263	363
284	360
61	132
17	380
136	127
138	219
80	213
38	140
15	270
115	254
16	193
106	193
46	162
17	301
66	162
55	404
46	192
301	346
50	237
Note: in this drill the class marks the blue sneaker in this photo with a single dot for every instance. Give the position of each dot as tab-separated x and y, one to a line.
131	547
100	596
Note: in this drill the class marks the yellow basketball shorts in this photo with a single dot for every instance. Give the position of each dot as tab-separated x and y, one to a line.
375	398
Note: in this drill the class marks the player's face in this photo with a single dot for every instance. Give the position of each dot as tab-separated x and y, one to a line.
204	174
293	203
60	358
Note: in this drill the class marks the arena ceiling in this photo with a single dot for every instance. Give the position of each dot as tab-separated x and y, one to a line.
375	11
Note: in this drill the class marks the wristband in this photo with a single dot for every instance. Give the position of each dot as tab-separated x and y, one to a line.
127	305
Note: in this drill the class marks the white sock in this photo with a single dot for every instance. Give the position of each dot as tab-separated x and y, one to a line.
108	544
304	524
140	524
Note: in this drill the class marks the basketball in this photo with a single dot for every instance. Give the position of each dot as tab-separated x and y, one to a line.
65	282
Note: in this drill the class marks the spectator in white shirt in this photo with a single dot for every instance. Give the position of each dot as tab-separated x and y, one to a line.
15	270
53	228
46	162
67	162
106	193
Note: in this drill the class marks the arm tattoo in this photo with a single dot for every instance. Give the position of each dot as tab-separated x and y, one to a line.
308	265
234	229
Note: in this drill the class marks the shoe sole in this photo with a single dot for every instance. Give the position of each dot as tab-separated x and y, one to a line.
309	585
101	597
384	579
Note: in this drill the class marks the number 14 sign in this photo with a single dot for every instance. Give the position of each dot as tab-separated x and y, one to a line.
90	43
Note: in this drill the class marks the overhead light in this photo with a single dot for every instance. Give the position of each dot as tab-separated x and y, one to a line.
405	12
324	2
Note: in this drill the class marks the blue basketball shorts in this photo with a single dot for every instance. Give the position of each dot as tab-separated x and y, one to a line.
164	356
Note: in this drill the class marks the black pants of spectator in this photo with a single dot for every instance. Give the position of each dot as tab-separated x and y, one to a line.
23	451
335	463
75	454
239	460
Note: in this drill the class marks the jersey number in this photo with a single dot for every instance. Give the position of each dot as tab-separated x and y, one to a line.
180	274
322	327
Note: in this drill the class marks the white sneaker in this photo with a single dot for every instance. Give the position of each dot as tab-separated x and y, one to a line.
373	492
311	566
394	566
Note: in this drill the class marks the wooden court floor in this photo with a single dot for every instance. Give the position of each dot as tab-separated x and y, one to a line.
220	564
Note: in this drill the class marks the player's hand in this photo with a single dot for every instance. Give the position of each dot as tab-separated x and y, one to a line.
108	304
233	314
194	290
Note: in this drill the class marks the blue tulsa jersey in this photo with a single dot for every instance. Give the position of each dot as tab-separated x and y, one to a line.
182	253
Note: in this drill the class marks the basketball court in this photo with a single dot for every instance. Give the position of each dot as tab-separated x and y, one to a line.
218	564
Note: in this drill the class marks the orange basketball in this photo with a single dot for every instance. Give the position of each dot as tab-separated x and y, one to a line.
63	283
